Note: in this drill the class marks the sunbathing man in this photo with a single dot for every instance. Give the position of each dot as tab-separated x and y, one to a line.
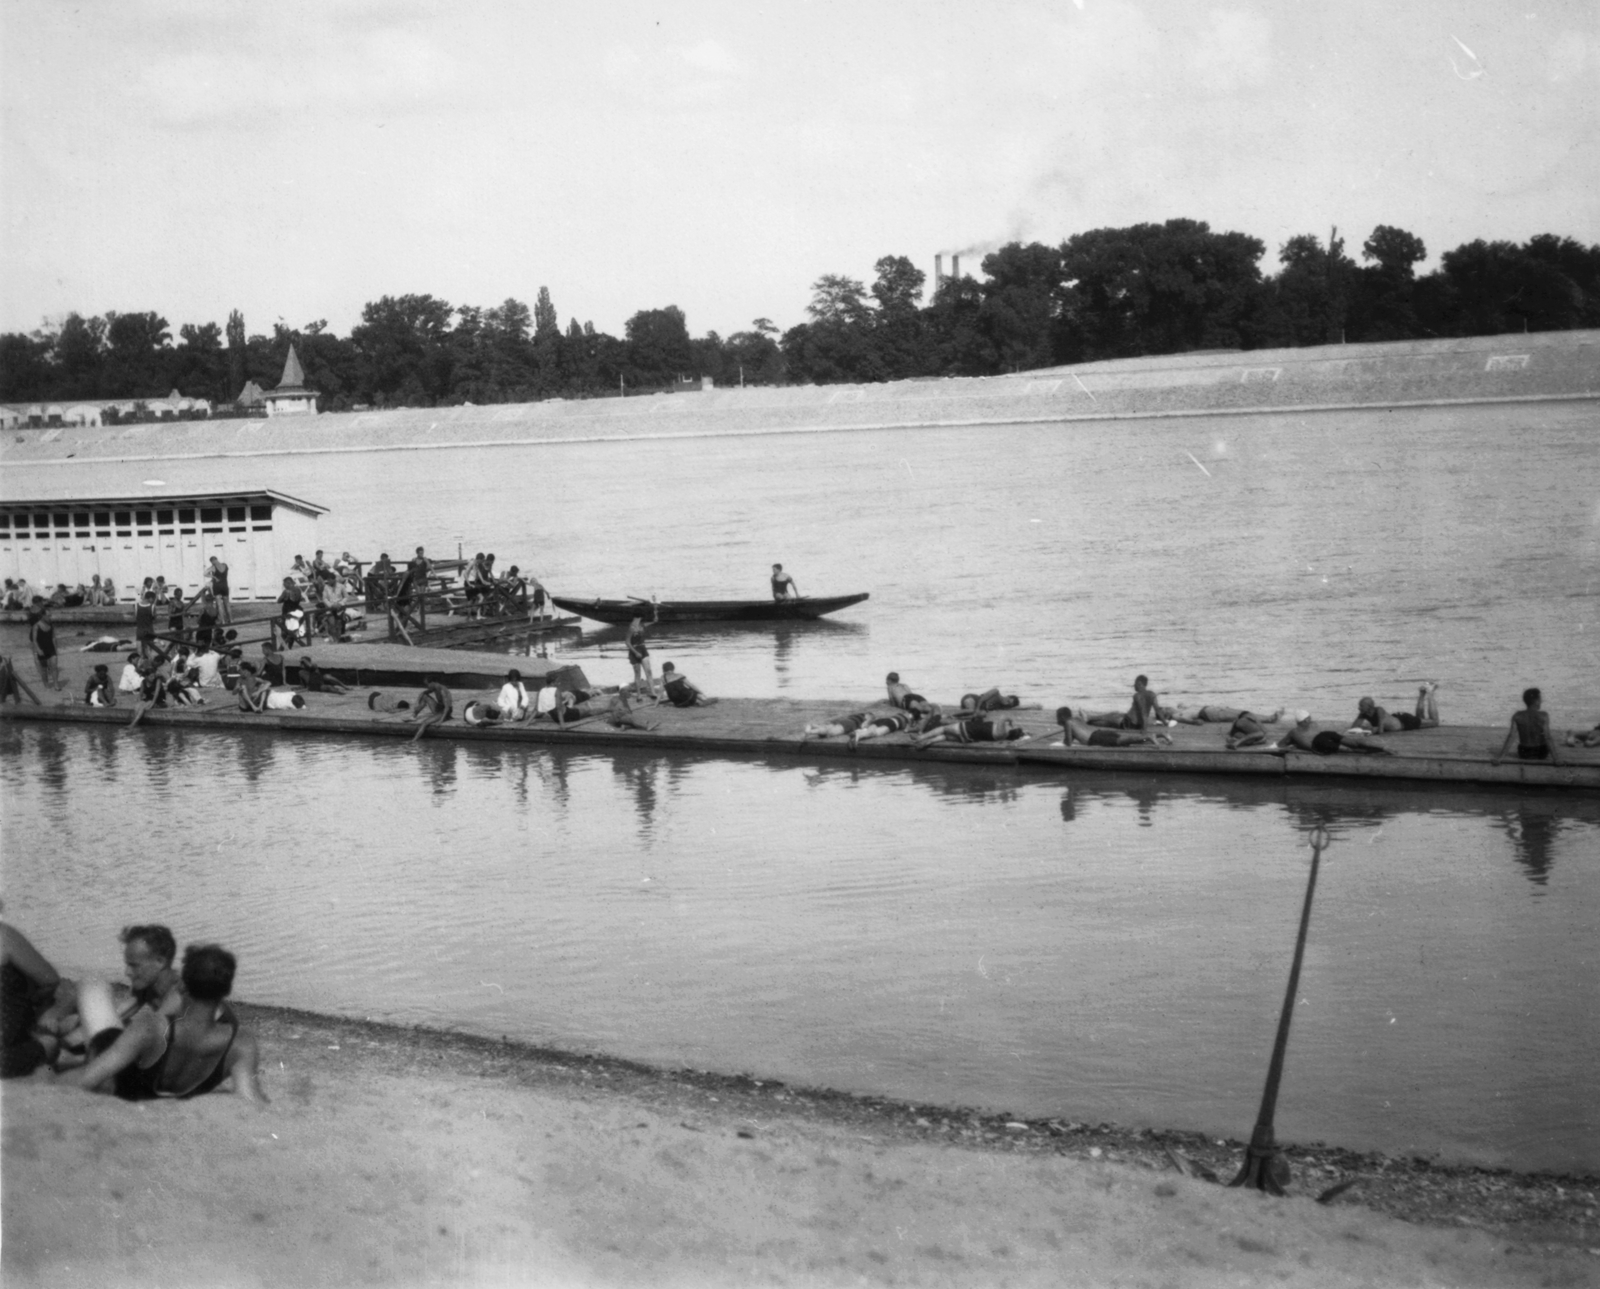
312	677
1530	731
1212	714
901	696
193	1050
1303	737
1373	719
1075	730
837	726
476	713
681	691
147	955
991	700
1141	714
434	706
1583	738
972	729
880	724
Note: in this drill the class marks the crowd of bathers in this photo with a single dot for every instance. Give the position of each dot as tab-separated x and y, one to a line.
168	1032
980	717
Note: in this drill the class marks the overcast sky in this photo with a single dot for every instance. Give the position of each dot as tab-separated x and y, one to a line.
295	161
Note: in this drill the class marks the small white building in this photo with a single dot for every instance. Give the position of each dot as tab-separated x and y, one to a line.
291	398
257	534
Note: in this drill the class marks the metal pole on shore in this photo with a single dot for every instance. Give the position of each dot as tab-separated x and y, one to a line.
1264	1168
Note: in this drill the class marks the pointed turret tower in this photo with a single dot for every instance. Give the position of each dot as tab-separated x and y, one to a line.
291	398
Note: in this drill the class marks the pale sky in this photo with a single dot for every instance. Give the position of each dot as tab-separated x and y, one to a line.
296	160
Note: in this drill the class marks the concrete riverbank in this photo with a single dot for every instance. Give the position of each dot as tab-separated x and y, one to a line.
1542	366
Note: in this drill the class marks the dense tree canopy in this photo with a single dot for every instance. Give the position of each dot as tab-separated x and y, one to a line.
1103	293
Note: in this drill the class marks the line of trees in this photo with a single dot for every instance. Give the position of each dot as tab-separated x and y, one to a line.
1107	293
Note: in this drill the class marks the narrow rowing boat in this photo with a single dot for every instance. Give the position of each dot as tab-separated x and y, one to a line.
657	611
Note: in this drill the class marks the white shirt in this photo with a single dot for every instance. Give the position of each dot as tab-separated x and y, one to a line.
130	680
205	667
513	699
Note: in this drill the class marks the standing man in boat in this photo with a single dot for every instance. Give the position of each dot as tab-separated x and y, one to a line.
783	586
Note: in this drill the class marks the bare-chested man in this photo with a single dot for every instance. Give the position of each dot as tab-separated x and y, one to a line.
1375	720
1076	730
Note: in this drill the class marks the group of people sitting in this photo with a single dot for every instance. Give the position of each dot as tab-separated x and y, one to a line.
515	703
492	594
20	594
168	1033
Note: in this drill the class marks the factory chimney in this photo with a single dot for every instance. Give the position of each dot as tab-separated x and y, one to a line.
955	267
938	271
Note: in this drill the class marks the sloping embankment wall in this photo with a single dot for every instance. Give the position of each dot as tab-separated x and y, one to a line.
1548	365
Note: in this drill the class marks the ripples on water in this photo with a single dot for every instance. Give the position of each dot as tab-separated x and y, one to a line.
1096	946
1106	947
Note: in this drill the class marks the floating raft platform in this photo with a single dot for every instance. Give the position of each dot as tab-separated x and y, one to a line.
377	663
1451	755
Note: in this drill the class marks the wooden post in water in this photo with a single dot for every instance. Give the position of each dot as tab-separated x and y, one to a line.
1263	1167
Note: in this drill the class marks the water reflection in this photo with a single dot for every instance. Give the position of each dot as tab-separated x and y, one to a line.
1532	827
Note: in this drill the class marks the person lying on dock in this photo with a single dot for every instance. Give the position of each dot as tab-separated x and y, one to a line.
1373	719
312	677
621	716
434	706
1583	738
972	729
193	1049
1530	731
836	727
992	700
476	713
879	724
513	697
13	686
681	691
900	696
1212	714
1076	730
1305	737
99	690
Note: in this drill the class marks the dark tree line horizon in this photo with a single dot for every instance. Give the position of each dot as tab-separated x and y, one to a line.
1144	290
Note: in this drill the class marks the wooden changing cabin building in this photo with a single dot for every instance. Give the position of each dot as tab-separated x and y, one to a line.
256	534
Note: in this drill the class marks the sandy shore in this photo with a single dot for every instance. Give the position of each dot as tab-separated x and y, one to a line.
405	1157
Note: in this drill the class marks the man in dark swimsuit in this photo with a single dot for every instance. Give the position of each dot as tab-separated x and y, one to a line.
1303	737
42	636
1530	731
1371	717
1074	729
839	725
181	1051
681	691
881	724
218	573
783	586
900	696
972	729
433	707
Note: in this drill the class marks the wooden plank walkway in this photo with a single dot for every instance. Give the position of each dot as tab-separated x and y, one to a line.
1452	755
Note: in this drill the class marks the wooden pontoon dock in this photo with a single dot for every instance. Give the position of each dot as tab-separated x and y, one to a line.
1451	755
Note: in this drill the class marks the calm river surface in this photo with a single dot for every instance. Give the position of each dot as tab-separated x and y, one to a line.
1089	947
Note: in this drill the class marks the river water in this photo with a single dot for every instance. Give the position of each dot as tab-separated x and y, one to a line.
1090	946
